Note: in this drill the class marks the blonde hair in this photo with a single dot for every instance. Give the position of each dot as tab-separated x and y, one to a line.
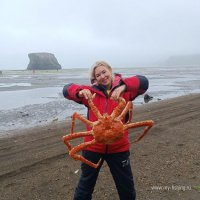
98	64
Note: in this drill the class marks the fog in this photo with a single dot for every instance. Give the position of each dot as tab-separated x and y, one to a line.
124	33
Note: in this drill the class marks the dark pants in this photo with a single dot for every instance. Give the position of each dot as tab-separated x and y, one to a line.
120	168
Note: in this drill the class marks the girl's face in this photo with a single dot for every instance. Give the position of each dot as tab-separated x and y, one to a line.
103	76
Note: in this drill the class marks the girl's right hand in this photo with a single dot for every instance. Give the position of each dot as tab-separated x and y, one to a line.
85	93
117	92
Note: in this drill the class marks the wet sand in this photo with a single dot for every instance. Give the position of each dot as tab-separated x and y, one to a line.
166	163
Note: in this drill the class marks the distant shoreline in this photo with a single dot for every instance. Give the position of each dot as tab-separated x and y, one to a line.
115	67
28	99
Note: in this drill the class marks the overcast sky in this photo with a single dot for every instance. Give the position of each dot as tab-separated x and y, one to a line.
124	33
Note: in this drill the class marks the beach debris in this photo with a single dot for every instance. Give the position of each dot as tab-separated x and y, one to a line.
147	98
106	130
75	172
54	120
25	115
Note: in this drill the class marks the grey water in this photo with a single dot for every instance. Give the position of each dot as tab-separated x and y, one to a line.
29	99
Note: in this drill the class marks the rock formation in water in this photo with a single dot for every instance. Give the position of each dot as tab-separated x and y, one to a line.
147	98
42	61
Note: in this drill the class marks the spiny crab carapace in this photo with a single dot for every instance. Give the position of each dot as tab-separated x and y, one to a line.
107	129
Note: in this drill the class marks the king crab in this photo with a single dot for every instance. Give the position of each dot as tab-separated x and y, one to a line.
107	129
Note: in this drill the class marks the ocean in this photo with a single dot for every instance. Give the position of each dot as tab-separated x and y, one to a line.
33	98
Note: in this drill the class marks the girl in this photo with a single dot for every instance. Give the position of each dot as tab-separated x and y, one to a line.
108	89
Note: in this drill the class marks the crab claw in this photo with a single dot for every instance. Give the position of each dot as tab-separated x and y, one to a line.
98	164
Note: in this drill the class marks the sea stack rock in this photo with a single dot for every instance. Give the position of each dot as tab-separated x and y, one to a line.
42	61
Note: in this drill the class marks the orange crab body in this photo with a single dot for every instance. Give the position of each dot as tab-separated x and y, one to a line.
107	129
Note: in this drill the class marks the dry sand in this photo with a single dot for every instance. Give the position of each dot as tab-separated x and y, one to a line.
166	163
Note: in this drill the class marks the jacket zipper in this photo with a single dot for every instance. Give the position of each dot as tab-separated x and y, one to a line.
106	109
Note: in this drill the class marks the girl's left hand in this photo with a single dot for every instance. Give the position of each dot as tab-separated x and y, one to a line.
117	92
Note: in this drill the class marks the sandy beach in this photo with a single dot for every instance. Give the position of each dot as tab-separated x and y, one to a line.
34	163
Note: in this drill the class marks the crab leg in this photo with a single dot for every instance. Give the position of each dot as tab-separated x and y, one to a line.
116	112
94	108
128	108
81	118
71	136
148	123
73	153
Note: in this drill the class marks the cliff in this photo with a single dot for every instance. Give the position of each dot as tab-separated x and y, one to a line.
182	60
42	61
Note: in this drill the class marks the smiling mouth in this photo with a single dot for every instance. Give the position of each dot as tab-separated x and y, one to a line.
105	81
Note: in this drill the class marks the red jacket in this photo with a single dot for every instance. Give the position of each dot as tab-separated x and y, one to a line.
135	86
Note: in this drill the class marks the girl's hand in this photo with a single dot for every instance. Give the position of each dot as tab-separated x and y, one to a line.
117	92
85	93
